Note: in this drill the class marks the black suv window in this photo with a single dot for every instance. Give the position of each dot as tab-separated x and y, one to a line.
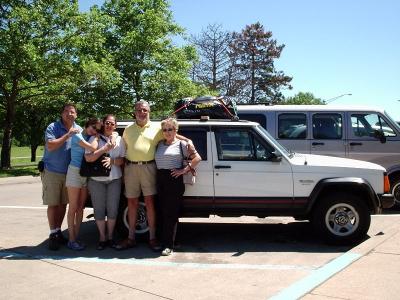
259	118
199	138
327	126
241	144
292	126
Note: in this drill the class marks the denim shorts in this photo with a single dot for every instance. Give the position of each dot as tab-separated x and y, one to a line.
74	179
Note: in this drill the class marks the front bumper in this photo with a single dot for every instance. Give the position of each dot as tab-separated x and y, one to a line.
386	200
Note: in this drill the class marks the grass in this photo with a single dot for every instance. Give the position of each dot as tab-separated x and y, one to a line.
21	164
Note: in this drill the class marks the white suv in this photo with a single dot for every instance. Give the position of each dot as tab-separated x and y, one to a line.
245	171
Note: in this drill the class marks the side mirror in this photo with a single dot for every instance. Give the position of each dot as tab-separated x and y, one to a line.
380	136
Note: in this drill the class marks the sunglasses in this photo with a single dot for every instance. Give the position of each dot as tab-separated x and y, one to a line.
108	123
168	129
143	110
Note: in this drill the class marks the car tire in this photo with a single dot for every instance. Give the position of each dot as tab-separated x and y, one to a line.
341	219
142	227
395	190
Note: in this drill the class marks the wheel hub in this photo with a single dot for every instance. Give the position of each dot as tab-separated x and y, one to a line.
341	219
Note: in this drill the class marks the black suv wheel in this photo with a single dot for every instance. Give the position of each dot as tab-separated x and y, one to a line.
341	219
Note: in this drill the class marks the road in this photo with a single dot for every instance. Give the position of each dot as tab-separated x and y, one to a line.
219	258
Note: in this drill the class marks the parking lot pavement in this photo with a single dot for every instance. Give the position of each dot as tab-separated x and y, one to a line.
241	258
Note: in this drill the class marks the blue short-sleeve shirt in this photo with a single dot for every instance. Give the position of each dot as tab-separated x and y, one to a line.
57	160
77	151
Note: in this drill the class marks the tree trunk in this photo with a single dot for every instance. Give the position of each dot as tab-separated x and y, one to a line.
8	125
33	152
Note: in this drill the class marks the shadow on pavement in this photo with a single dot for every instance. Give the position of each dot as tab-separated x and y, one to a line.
201	238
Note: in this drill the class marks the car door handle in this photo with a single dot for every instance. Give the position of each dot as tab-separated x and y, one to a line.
355	144
222	167
316	144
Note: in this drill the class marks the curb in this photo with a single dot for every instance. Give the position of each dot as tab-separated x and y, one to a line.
309	283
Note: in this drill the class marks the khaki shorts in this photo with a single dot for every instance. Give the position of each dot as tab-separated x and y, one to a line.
74	179
54	191
140	178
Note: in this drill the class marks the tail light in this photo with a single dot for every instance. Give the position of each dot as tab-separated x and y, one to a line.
386	184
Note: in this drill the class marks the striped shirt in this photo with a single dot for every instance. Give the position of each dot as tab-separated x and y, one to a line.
170	156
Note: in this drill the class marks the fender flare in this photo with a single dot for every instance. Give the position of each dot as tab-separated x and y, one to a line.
356	182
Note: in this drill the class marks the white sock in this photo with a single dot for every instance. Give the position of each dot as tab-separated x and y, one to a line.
53	231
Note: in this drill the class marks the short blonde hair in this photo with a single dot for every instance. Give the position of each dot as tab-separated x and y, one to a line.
172	121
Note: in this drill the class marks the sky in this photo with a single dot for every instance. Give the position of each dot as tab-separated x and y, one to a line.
332	48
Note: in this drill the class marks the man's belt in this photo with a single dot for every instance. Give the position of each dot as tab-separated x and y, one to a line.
128	162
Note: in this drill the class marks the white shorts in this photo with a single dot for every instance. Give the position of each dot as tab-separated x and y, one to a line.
74	179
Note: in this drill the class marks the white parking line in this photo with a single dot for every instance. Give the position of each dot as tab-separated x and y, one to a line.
23	207
157	262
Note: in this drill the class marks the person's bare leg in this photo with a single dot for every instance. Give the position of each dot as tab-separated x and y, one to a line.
133	204
73	196
79	212
110	228
151	215
101	226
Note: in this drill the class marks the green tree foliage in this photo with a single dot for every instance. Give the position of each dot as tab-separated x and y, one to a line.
139	39
303	98
50	53
252	54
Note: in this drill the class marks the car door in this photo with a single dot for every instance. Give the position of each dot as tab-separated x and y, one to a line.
199	198
246	177
328	135
372	138
292	131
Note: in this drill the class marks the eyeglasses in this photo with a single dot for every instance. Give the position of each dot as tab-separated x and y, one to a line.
168	129
143	110
108	123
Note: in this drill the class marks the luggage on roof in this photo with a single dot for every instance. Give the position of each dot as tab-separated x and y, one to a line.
213	107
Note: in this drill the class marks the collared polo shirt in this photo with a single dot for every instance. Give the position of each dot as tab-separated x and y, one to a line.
141	142
57	160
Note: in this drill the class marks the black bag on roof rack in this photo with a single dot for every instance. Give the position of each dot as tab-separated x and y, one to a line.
213	107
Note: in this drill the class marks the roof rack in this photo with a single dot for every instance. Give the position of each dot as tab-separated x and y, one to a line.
258	103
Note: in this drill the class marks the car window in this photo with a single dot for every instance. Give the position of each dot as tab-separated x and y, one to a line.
367	125
199	138
259	118
292	126
241	144
327	126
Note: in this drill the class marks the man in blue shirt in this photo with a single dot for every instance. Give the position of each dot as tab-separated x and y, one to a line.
57	156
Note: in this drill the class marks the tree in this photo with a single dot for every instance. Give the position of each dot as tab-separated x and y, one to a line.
303	98
37	54
151	67
252	54
46	50
212	46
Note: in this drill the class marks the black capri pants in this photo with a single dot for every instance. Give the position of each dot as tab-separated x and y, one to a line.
170	195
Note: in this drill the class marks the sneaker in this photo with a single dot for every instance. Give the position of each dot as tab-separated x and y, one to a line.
61	238
154	245
167	252
75	246
53	242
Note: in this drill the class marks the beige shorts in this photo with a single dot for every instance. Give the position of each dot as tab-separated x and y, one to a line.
74	179
140	178
54	191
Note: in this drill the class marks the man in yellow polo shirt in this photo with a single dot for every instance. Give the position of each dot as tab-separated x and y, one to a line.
141	139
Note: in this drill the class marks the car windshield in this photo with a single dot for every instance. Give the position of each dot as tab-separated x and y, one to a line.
275	143
393	121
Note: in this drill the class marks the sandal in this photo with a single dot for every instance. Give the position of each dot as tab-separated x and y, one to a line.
154	245
126	244
101	245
